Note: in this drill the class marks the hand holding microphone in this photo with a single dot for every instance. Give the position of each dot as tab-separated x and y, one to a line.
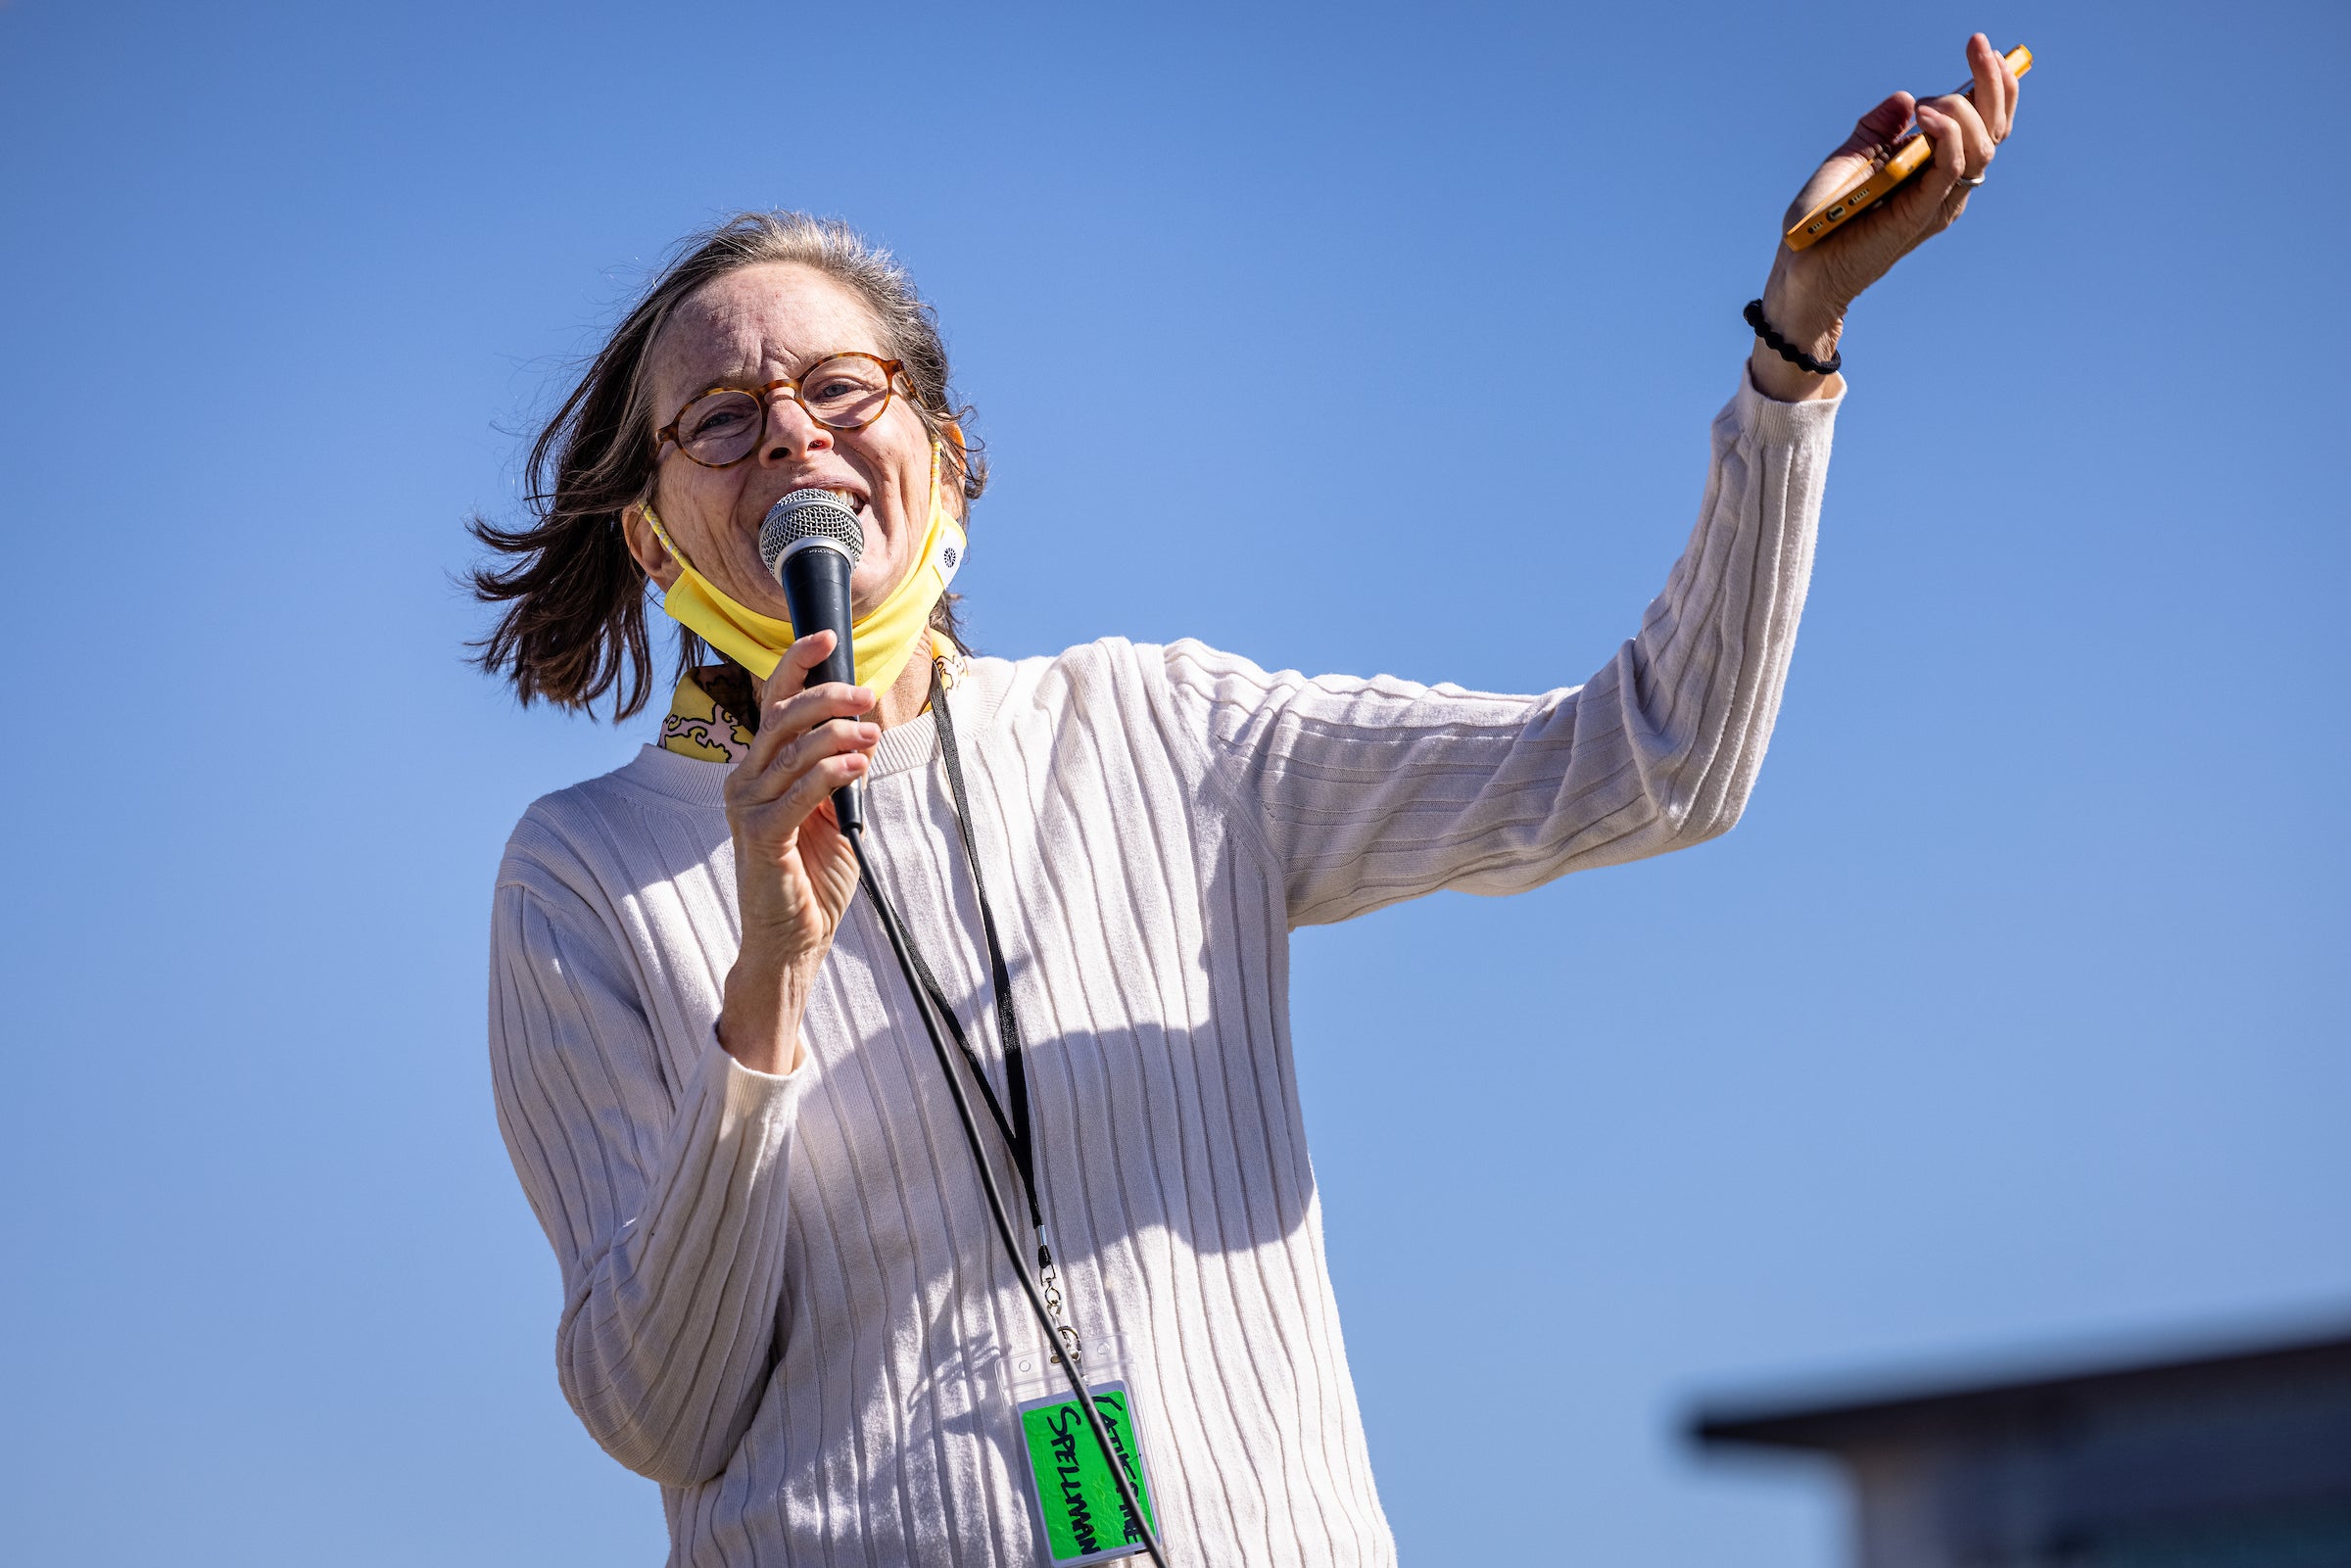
810	543
795	871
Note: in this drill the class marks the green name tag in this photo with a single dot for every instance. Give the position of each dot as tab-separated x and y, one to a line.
1077	1499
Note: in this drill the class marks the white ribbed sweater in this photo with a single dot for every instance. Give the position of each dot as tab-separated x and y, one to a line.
781	1294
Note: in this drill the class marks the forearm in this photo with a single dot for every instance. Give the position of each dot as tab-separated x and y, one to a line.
665	1201
1373	791
760	1017
668	1338
1696	693
1660	748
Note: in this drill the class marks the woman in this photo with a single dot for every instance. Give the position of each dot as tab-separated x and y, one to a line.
784	1299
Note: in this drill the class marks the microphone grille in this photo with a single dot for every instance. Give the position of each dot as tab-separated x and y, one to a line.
807	515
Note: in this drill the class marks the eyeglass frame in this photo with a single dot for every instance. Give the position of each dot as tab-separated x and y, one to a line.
765	397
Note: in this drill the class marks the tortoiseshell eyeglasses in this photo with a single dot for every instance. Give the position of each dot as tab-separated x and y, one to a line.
725	425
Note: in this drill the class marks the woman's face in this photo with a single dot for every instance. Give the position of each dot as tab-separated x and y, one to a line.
752	326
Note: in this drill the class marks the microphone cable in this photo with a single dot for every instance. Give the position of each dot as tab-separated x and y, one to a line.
900	946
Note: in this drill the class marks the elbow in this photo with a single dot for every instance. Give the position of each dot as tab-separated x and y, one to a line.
678	1469
644	1421
1691	811
657	1444
1699	788
1696	770
1696	828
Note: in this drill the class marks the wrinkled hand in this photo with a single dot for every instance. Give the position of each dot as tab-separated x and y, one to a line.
795	873
1810	290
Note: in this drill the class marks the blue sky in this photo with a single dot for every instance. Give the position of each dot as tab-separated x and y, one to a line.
2010	1021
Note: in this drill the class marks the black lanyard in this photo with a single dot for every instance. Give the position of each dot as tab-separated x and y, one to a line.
1043	1292
1018	1134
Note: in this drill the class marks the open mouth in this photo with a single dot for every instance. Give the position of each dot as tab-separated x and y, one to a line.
850	499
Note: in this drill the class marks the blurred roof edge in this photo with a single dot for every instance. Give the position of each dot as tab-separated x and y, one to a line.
1834	1423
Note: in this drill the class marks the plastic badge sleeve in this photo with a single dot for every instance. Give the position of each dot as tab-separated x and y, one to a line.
1079	1514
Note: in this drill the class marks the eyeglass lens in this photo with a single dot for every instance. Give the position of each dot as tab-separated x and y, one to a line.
848	393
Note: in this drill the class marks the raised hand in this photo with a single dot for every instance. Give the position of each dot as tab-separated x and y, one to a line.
1810	290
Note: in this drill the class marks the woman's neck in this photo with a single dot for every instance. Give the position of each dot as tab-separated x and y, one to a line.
906	698
911	694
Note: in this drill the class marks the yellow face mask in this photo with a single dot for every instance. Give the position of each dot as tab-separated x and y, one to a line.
882	641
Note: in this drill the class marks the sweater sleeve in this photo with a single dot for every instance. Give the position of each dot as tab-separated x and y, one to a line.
665	1203
1368	793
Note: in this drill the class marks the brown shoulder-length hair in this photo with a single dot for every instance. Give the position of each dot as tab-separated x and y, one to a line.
573	629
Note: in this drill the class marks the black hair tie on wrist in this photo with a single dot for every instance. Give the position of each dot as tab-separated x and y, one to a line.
1788	350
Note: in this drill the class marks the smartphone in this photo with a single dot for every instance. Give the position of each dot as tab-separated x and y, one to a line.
1911	153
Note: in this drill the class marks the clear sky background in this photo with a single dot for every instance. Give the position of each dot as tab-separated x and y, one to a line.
2009	1023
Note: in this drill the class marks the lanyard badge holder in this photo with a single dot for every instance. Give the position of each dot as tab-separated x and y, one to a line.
1084	1459
1074	1501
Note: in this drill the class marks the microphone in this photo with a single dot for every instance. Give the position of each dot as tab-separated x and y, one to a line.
809	543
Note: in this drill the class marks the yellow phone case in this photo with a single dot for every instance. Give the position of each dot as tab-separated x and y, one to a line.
1911	154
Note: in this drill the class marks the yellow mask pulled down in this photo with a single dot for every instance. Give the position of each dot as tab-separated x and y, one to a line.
882	641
